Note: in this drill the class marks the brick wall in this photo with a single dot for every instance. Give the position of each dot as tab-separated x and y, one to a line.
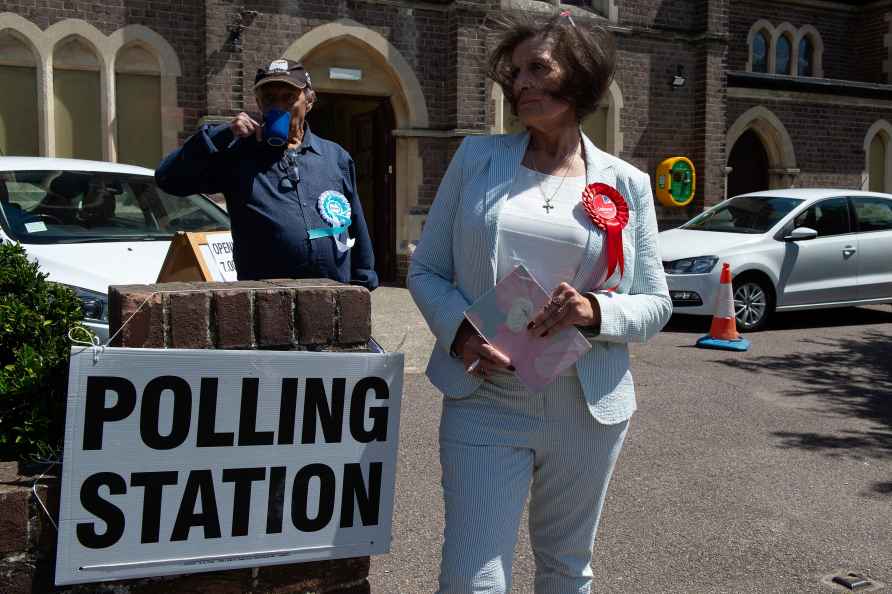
867	43
710	110
27	538
678	15
471	104
436	154
309	314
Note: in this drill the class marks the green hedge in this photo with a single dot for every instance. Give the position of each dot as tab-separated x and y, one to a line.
35	316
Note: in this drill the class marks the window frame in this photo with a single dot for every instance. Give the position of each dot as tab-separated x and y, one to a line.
771	34
44	44
789	71
766	38
811	62
854	211
849	218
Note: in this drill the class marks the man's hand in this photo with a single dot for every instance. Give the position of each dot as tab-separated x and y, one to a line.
566	308
244	125
479	357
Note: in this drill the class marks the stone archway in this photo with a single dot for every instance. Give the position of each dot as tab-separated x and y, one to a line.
409	105
877	174
781	157
748	162
374	70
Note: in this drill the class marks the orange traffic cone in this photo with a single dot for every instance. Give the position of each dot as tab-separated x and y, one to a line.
723	330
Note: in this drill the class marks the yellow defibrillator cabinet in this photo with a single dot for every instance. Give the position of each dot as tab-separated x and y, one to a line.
676	180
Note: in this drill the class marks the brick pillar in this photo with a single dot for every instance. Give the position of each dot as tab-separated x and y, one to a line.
27	538
711	99
307	314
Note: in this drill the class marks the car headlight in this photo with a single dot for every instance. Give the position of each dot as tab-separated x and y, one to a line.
94	305
700	265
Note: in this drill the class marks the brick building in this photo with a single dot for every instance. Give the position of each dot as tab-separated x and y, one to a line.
757	93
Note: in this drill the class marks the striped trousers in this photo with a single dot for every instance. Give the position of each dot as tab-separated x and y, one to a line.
500	444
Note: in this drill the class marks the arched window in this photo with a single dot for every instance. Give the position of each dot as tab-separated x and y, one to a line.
806	57
76	87
138	106
809	52
806	66
879	150
760	52
18	104
784	52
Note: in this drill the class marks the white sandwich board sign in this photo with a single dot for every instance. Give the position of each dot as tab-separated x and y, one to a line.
218	256
181	461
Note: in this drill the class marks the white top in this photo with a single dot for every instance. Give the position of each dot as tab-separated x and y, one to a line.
550	243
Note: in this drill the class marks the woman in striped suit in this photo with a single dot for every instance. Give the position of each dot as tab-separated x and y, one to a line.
516	199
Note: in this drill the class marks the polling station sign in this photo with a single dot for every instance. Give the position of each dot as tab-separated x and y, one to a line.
180	461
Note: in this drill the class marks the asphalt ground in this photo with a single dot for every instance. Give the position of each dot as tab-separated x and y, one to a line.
766	471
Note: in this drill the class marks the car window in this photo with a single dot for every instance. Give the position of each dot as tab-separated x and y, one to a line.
77	206
744	214
873	214
828	217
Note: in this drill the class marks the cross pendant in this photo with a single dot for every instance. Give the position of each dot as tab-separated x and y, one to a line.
547	208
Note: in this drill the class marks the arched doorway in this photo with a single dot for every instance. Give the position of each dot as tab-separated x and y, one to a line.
749	165
363	125
760	153
877	176
356	69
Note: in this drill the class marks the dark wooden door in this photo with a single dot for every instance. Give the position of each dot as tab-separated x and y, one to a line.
749	165
374	154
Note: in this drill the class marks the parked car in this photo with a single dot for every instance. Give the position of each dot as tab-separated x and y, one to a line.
91	224
788	249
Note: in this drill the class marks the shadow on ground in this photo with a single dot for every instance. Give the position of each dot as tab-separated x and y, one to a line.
849	377
795	320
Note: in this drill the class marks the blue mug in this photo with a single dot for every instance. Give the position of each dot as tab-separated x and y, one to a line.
276	124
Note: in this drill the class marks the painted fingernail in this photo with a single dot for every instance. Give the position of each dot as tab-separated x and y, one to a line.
530	325
544	334
511	368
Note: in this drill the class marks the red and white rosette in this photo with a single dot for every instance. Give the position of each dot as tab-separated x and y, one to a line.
609	211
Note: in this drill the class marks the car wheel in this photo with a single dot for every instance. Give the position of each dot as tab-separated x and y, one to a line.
753	303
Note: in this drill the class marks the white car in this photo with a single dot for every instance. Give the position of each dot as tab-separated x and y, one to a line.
788	249
91	224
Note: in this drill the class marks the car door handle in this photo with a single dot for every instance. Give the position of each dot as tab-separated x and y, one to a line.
848	251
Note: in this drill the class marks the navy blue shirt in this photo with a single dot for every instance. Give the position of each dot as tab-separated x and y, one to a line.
271	195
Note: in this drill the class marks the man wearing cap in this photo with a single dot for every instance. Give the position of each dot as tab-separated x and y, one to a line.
291	195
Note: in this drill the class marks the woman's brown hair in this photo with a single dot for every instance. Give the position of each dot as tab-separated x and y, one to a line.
585	50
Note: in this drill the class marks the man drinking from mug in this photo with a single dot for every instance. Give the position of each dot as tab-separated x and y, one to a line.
291	195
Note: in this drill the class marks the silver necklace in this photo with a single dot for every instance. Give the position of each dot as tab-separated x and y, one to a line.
548	206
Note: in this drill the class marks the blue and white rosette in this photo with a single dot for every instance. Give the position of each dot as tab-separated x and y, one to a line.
334	208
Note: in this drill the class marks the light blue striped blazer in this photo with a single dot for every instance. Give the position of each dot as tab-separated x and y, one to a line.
455	263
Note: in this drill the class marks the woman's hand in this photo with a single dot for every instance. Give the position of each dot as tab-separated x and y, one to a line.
567	307
478	356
